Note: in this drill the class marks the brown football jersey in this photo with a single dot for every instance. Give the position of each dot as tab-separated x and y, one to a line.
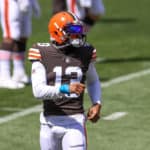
64	66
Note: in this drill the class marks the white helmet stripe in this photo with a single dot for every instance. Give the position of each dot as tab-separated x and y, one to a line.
74	16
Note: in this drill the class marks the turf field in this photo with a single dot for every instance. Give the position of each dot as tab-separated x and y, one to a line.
123	64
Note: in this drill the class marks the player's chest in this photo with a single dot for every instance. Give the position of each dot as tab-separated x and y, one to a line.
65	69
64	62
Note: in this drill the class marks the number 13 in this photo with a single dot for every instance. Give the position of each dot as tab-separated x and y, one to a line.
68	71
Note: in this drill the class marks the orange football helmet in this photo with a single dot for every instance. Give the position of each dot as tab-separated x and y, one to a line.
66	29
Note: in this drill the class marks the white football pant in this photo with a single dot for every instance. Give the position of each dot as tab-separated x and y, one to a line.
63	133
18	23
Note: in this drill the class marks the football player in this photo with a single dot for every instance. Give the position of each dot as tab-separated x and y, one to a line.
15	20
60	71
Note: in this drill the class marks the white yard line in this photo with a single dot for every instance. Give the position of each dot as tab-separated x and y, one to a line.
125	78
99	59
115	116
10	109
16	115
104	85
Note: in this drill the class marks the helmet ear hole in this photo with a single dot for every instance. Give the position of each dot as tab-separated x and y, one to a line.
55	32
57	36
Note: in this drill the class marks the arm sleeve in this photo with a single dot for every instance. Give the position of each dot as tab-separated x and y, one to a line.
39	84
93	84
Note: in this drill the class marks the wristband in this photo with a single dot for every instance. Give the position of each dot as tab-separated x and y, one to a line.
64	89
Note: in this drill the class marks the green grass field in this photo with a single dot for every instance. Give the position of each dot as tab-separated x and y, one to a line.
122	42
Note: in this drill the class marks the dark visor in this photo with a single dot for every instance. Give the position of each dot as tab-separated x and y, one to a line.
74	29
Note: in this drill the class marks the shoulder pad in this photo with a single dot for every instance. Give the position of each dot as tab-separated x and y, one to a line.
34	53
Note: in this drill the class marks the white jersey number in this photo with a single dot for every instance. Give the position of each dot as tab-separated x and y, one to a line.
68	71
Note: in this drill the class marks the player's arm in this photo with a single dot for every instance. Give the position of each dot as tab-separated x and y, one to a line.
39	84
94	91
36	8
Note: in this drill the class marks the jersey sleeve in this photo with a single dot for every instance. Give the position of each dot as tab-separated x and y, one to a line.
34	53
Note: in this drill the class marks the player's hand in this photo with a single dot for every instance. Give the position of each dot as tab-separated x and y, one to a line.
94	113
77	88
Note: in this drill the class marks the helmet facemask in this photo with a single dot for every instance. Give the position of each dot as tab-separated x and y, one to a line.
75	35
